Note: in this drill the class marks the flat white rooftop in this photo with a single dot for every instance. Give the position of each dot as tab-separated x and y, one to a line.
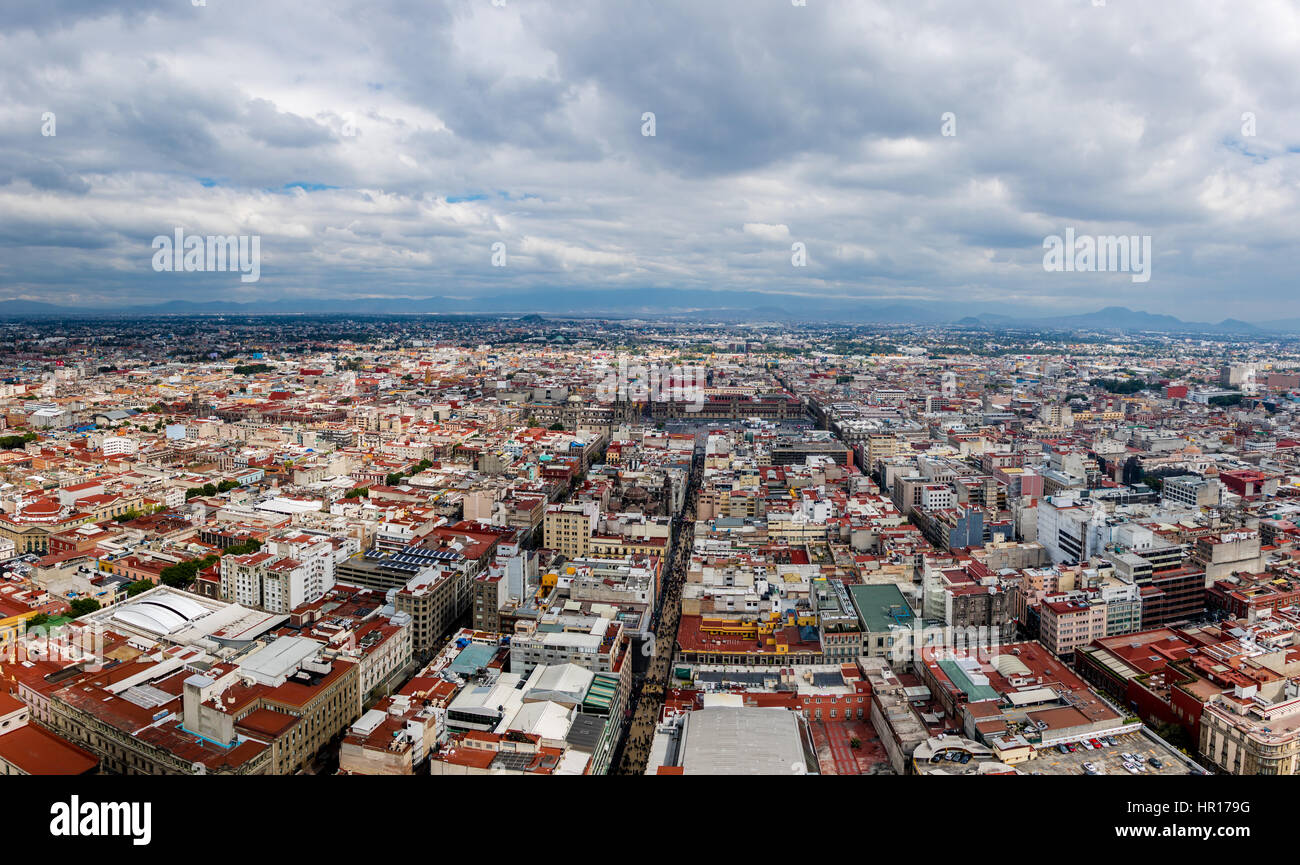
724	740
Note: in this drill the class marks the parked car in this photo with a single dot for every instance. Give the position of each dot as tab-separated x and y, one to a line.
1061	749
1129	766
1156	763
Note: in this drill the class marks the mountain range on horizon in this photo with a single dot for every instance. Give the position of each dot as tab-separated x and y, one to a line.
733	306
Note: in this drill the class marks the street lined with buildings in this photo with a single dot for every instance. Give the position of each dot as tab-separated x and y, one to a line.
420	547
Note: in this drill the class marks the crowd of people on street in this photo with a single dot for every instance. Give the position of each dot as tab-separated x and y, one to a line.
647	700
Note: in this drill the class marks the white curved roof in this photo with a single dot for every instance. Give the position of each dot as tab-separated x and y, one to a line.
145	621
1010	665
161	613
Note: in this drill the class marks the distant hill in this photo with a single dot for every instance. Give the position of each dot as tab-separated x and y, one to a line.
737	306
1119	318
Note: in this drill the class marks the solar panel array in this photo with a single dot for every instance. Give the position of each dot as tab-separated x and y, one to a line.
412	560
146	696
512	762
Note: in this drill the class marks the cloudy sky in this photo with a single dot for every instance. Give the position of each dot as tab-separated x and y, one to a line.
383	148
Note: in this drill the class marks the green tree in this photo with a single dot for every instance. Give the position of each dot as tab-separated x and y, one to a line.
1175	735
138	587
83	606
182	574
1121	386
176	576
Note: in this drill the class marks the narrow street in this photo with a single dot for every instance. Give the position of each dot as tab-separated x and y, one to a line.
648	697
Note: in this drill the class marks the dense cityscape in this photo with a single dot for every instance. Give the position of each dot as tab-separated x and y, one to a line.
753	390
402	545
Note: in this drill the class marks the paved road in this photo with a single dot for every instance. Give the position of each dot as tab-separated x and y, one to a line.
647	700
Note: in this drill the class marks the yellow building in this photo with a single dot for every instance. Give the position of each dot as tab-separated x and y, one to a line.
568	529
12	629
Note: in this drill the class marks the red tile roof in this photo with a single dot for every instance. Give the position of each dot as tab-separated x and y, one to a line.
39	752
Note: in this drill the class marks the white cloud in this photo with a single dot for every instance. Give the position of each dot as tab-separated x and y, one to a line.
767	232
476	124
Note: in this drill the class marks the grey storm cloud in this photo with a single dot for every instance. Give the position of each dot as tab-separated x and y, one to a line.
282	129
384	147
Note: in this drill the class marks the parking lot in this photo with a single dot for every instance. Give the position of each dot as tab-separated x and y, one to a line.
1108	759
